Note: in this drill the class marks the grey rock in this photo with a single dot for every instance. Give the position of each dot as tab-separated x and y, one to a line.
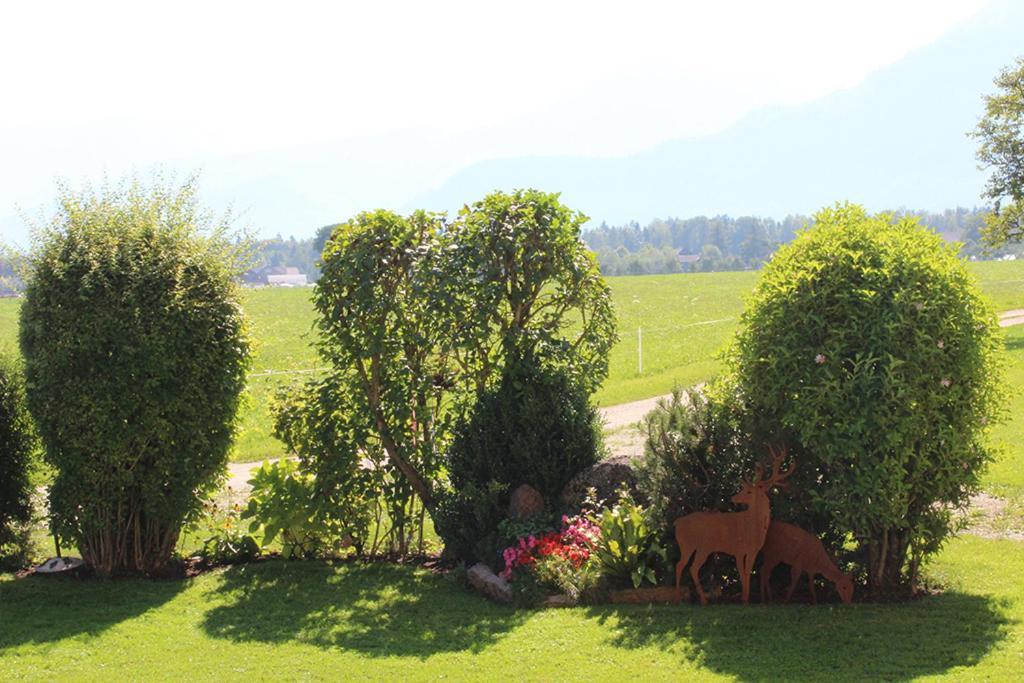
606	477
489	584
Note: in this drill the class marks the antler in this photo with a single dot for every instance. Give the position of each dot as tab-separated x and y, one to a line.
778	477
758	473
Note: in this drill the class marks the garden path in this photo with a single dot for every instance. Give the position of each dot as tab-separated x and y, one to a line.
617	419
1014	317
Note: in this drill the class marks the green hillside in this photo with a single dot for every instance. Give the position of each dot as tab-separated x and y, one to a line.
686	319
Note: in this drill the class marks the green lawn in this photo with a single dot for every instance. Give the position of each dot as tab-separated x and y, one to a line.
686	320
312	620
1009	470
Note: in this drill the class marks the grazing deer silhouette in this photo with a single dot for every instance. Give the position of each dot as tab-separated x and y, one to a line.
789	544
739	534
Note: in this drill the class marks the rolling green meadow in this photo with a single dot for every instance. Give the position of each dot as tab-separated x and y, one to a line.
272	619
686	320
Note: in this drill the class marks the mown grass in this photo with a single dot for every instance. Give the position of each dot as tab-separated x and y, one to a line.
315	621
686	320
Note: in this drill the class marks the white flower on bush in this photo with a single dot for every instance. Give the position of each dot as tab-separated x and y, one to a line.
941	344
919	306
820	359
946	382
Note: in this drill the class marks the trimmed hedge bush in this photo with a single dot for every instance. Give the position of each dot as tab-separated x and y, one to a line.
135	359
867	347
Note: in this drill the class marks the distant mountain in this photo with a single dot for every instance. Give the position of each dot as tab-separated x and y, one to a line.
897	139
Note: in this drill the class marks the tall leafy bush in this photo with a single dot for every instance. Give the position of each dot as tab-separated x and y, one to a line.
419	317
135	357
867	345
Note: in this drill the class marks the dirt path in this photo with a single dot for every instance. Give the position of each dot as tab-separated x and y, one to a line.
1014	317
616	420
616	417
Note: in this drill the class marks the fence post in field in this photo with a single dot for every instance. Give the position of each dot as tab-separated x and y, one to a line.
639	350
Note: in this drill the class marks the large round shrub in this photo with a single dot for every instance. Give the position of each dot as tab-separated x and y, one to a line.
16	445
867	347
135	359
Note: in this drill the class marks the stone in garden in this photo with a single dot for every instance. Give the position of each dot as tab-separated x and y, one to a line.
606	477
489	584
60	565
525	502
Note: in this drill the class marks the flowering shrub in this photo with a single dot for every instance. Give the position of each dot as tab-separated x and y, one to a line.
573	543
221	533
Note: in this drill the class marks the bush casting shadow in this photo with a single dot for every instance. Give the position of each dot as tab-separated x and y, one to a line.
1014	343
790	642
377	609
40	609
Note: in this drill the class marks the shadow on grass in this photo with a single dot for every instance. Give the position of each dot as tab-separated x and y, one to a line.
807	643
1014	343
378	610
38	610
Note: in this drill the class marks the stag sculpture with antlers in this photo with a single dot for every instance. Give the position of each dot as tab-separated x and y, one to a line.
740	534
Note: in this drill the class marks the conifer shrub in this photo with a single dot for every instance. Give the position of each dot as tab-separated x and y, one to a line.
535	426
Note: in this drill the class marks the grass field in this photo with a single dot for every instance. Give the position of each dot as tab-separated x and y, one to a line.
316	621
686	320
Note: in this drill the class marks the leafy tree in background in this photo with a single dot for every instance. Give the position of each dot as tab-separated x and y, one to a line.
868	348
323	234
135	359
1001	132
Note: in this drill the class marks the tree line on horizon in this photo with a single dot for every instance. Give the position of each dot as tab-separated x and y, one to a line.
672	245
719	243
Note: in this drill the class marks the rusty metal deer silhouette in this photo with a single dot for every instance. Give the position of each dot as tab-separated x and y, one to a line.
740	534
789	544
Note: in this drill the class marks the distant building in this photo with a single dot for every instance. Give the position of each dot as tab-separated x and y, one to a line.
286	277
688	259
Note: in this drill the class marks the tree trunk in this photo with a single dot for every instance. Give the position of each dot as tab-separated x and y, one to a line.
887	553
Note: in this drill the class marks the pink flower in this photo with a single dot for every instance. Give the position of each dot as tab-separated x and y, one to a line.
820	359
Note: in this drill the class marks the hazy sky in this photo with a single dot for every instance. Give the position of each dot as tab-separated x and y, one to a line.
94	87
